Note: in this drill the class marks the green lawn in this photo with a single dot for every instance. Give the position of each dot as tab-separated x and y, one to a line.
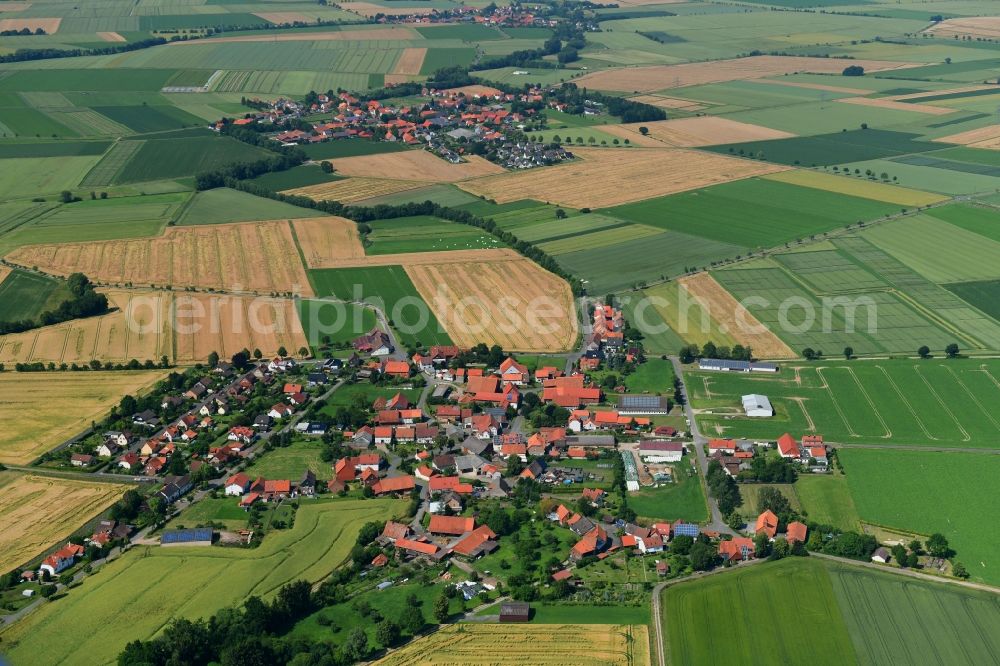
365	394
683	499
927	492
224	510
574	614
163	583
291	462
654	376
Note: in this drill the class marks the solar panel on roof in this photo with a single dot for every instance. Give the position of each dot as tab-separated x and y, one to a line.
642	401
685	529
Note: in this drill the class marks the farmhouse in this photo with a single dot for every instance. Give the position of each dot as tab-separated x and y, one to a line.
481	541
736	549
788	447
394	485
655	451
726	365
375	343
767	523
61	559
757	406
452	525
237	484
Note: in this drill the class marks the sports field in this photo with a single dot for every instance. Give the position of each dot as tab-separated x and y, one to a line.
867	617
927	492
161	583
39	511
886	402
482	644
44	409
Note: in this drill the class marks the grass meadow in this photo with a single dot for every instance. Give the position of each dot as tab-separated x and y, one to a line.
834	148
158	583
25	295
291	462
423	233
682	500
886	402
223	205
324	319
927	492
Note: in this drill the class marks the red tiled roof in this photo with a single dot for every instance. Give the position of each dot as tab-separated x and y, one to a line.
479	536
451	524
796	531
394	484
768	523
417	546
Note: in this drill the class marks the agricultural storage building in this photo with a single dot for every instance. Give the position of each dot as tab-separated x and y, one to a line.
757	405
725	365
631	405
661	452
196	537
515	611
601	441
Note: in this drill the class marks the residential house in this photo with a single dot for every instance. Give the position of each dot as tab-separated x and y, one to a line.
61	560
788	447
767	523
736	549
237	484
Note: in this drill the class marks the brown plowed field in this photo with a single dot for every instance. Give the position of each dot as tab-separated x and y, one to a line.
254	256
49	25
972	26
661	77
987	138
604	177
733	318
419	165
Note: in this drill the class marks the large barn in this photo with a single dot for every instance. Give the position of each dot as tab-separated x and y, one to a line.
758	406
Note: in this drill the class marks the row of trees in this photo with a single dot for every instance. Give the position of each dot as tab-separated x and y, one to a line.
951	351
691	353
23	55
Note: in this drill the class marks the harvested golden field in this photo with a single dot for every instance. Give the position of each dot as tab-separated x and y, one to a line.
700	131
111	37
40	512
203	323
509	301
350	190
42	409
972	26
543	644
258	257
328	239
14	6
285	17
734	319
410	62
946	91
49	25
887	103
987	138
4	272
472	91
369	9
147	325
604	177
857	187
135	329
813	86
669	102
323	258
411	165
382	34
662	77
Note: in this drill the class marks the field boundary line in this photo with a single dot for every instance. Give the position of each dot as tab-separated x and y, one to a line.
836	405
941	402
805	413
864	392
906	402
973	397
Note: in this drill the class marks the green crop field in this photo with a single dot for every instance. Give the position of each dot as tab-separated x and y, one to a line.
597	238
763	607
927	492
177	157
149	118
300	176
438	58
983	294
388	288
888	402
867	617
52	149
26	295
223	205
981	220
830	149
29	176
291	462
160	583
753	213
425	234
351	148
826	499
